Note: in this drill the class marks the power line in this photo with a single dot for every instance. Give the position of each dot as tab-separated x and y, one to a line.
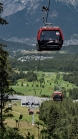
38	64
73	60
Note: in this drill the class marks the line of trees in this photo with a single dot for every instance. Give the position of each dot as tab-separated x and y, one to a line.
72	78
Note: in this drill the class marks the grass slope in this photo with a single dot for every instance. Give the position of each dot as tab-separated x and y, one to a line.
46	88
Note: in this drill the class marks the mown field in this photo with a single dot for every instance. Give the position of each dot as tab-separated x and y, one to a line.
46	88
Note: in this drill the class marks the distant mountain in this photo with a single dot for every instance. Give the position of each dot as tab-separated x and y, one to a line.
18	46
13	46
25	18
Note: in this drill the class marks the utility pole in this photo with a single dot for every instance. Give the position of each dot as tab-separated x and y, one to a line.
33	118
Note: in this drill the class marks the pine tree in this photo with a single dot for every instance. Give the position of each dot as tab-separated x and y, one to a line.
3	70
4	79
2	21
73	132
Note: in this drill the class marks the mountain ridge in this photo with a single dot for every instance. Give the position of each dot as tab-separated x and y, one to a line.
25	18
18	46
21	4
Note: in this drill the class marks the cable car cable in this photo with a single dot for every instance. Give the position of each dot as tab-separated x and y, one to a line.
37	71
73	11
48	11
70	64
45	8
38	64
48	33
73	60
70	67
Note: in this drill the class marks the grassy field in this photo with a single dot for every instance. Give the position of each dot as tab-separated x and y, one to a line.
51	82
25	124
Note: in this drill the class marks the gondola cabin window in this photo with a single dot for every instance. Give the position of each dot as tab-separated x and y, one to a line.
50	35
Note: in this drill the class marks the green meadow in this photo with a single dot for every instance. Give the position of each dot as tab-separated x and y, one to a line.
51	83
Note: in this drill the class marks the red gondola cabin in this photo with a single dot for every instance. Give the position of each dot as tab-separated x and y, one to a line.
31	112
49	38
57	96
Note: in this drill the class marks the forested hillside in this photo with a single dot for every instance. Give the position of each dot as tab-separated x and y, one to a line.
62	64
60	120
